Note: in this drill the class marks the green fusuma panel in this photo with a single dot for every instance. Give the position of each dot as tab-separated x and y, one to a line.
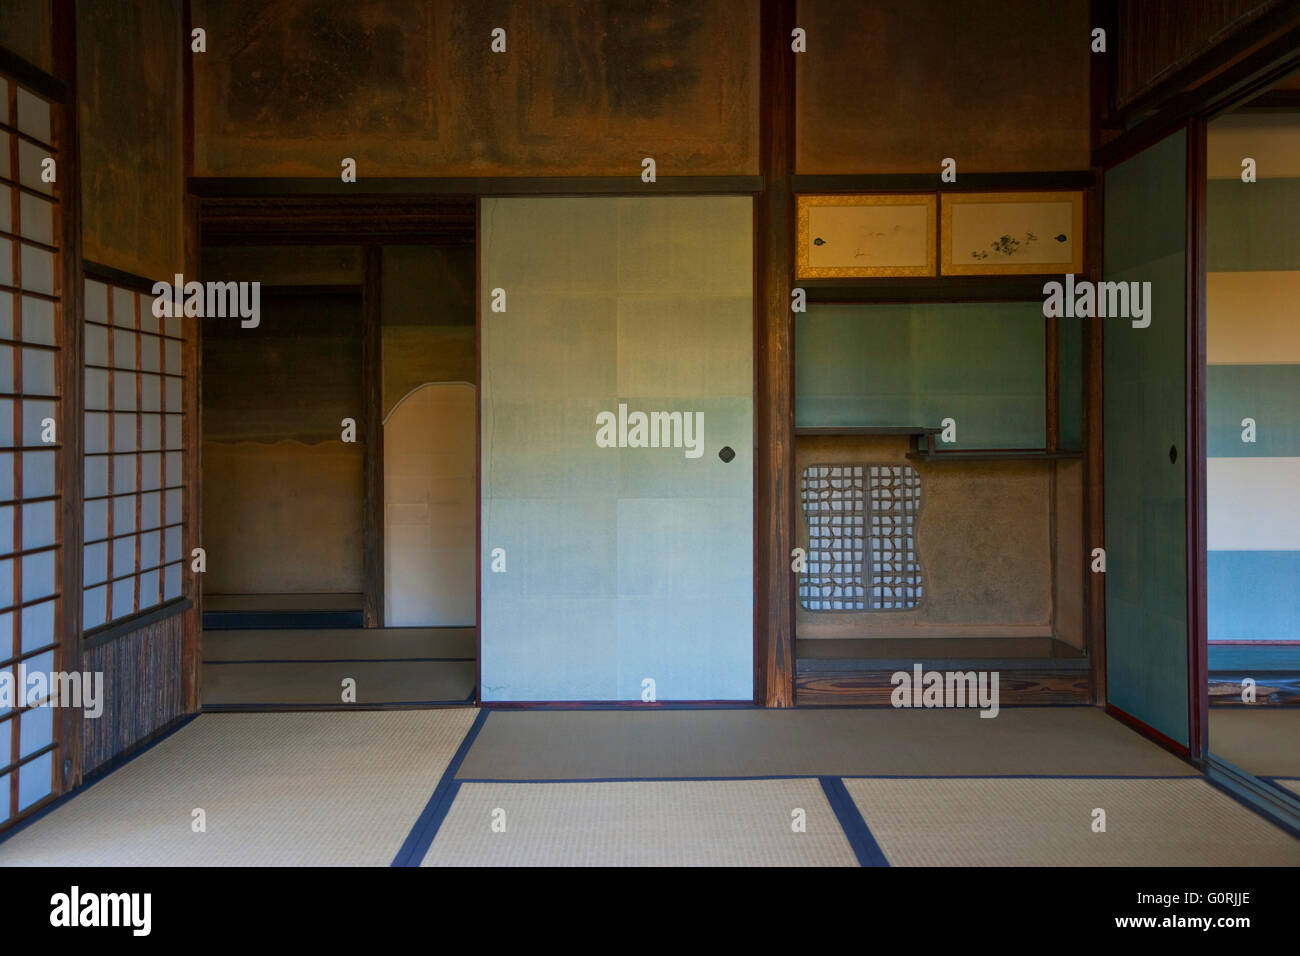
1145	396
980	364
612	570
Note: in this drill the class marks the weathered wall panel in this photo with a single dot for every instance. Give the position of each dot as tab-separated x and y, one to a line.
282	518
26	28
412	88
130	116
296	375
894	86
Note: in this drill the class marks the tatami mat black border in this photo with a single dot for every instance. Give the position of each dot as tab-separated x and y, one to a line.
418	841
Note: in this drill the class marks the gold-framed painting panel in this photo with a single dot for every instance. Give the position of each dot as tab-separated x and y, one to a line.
894	233
1046	211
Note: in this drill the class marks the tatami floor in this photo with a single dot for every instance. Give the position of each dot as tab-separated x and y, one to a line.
458	786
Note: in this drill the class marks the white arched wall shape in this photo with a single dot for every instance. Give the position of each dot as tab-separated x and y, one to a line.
429	507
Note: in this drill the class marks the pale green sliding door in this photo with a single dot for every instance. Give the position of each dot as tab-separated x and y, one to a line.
617	448
1146	442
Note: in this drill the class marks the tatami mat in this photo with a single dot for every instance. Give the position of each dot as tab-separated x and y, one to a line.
584	745
384	682
642	823
1048	822
278	790
340	644
1292	785
1264	741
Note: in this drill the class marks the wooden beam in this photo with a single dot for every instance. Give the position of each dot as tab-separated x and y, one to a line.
70	387
372	418
472	185
774	490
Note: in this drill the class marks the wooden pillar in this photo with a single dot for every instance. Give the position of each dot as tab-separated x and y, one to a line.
70	386
192	360
1198	692
1094	500
372	537
774	492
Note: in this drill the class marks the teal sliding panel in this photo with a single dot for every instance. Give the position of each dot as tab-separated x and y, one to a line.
980	364
627	544
1145	395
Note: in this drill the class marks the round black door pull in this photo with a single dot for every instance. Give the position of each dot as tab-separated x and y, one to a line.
1173	454
726	453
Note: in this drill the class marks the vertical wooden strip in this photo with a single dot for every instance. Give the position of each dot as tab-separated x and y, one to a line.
373	430
774	491
478	451
71	375
139	441
1052	379
15	718
1094	450
1105	16
1198	692
191	496
112	460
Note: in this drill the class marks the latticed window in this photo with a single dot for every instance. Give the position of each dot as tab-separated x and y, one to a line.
861	538
31	553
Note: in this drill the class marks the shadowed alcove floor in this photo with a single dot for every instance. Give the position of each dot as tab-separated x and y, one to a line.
307	668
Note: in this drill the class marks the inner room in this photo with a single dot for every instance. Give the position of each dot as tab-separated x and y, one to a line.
340	457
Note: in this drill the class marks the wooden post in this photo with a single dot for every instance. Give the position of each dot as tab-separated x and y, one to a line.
1198	691
774	491
70	382
372	599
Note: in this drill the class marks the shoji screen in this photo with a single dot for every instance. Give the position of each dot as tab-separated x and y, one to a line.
609	566
29	401
1146	442
134	485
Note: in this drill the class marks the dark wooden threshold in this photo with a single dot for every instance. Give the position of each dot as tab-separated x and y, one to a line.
928	289
111	632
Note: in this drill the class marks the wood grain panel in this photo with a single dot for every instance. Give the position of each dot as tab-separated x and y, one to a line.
144	688
411	88
1158	37
132	147
894	86
26	29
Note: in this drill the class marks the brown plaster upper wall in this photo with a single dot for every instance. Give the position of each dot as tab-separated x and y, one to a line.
26	28
1158	37
130	124
411	87
895	86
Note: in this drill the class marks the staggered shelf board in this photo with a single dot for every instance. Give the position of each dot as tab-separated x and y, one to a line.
993	454
1012	288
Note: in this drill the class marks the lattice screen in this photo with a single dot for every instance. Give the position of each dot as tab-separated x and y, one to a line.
861	538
